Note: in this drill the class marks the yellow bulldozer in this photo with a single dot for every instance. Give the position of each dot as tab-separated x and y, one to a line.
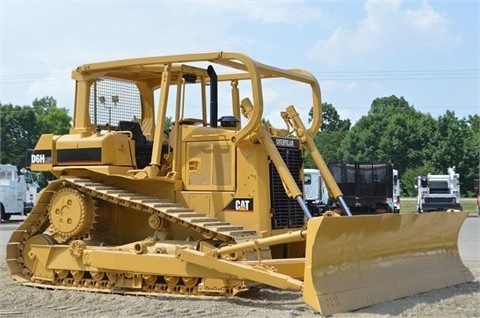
172	181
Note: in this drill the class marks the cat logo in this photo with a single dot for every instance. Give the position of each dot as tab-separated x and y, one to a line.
240	205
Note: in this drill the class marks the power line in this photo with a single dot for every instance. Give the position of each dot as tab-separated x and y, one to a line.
474	70
450	74
23	78
440	74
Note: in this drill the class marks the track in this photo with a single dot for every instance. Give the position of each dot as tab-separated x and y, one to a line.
158	210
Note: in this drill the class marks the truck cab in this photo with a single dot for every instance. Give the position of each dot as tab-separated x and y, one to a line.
315	191
18	191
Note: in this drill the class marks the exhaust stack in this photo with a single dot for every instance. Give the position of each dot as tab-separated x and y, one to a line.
213	96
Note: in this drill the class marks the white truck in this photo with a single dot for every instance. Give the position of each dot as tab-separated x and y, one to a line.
368	188
18	191
439	192
315	191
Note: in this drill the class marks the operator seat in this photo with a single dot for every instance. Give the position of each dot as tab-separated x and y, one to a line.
143	147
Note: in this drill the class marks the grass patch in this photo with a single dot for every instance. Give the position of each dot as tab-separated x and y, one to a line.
409	205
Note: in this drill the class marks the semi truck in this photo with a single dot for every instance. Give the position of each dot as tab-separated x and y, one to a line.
368	188
18	191
438	192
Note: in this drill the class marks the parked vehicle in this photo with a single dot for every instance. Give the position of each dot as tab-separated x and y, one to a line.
478	204
438	192
368	188
477	188
315	191
18	191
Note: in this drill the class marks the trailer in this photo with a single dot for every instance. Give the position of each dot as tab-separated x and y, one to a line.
368	188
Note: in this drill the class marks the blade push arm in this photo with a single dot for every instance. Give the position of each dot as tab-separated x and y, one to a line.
306	139
264	137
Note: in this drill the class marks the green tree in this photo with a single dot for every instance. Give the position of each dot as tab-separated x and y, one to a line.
381	105
331	119
332	131
266	122
409	177
50	118
416	143
448	135
22	126
469	163
19	132
392	131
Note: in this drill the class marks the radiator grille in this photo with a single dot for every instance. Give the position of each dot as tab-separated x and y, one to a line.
286	212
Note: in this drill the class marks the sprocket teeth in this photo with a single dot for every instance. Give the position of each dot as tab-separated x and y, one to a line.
71	214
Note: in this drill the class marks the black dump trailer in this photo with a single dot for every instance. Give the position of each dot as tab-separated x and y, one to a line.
368	188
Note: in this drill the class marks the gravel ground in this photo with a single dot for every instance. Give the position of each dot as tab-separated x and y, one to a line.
22	301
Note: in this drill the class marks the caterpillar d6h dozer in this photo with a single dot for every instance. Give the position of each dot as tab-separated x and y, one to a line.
210	204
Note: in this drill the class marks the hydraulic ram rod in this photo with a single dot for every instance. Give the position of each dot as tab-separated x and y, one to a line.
290	237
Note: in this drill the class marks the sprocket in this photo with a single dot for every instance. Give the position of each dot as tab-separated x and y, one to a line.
71	214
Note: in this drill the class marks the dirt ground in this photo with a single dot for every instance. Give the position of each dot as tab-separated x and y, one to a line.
22	301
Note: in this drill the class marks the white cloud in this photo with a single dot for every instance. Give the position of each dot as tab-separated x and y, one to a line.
351	86
386	29
342	36
432	24
268	12
339	86
58	85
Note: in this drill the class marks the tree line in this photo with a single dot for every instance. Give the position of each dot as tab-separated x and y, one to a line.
414	142
21	127
392	131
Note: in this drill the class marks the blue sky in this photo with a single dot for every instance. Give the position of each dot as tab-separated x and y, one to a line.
424	51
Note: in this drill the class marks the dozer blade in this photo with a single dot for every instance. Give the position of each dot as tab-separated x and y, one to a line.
355	262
